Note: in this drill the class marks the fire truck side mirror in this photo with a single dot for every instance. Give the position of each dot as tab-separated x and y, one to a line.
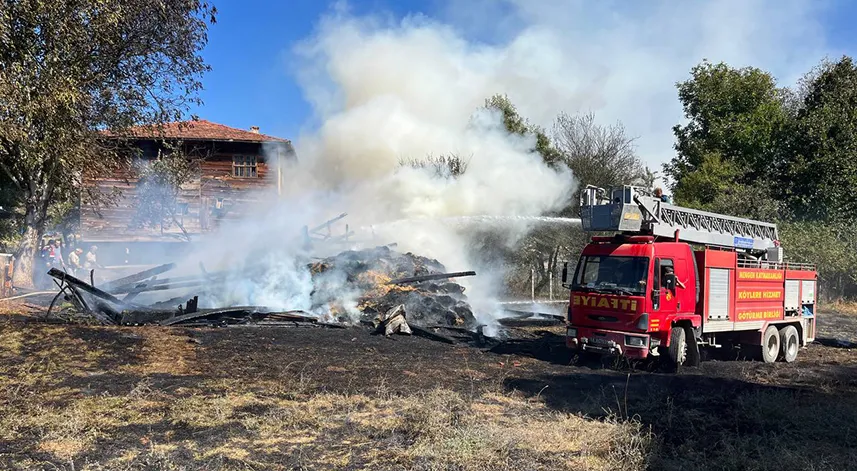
669	281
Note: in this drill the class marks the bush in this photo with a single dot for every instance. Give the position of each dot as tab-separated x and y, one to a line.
832	247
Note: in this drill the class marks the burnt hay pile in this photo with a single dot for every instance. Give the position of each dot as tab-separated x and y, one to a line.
354	286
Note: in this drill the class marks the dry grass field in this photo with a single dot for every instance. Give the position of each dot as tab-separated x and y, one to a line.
117	398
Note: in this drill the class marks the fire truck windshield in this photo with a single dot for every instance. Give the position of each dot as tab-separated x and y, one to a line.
612	274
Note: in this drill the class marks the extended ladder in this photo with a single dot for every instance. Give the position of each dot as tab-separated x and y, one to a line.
631	209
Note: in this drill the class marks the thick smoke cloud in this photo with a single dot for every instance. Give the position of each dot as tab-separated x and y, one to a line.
387	92
384	89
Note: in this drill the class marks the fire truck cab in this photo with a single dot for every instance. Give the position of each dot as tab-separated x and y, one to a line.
673	280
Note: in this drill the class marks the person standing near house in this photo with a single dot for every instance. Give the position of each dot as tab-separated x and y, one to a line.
59	261
49	253
74	261
91	260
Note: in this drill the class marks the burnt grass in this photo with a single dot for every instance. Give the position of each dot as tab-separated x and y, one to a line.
320	398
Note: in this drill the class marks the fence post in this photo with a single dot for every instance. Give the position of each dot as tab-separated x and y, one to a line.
533	284
550	284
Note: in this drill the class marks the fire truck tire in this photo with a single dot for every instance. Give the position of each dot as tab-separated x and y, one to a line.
694	358
770	344
789	343
678	346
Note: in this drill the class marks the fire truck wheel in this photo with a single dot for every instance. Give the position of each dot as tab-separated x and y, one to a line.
678	346
770	344
789	343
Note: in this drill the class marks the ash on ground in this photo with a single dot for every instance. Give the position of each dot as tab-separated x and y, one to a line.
354	286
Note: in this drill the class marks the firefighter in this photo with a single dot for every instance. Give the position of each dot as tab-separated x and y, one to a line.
49	253
659	194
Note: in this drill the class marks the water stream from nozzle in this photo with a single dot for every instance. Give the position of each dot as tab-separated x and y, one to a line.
483	220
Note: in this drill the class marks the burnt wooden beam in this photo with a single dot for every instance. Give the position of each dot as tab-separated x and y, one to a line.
130	287
301	316
130	296
437	276
146	316
327	223
111	285
54	300
336	238
105	312
242	310
158	286
192	305
86	287
421	332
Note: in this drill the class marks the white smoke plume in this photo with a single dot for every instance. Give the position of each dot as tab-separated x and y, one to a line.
383	96
384	93
384	89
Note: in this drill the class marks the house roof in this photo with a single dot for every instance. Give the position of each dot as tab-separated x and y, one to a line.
198	130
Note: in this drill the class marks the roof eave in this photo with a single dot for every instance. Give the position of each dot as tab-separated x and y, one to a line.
174	138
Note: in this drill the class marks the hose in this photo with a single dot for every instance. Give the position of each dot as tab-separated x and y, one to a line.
34	293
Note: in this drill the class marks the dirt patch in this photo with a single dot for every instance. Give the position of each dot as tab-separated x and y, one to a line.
838	326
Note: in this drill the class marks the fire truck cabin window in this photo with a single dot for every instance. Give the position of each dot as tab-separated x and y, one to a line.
612	274
244	166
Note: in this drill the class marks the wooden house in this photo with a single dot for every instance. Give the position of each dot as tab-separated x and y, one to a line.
232	169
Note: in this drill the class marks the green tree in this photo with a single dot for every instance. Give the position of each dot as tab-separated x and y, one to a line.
736	120
819	175
716	187
10	217
71	68
832	247
516	124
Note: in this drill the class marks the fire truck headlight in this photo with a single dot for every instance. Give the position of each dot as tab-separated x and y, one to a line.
571	332
632	341
643	322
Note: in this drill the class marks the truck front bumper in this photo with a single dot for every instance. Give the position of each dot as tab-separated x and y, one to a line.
608	342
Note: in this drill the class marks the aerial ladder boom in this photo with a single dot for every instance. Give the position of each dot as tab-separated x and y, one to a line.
633	210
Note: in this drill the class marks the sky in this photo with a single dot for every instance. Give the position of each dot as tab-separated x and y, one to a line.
284	65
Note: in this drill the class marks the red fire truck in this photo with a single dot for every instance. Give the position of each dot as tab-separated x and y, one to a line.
672	280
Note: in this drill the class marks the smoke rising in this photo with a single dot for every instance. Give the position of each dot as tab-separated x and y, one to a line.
383	90
382	96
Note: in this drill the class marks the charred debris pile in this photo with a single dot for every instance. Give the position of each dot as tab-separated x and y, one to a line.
390	291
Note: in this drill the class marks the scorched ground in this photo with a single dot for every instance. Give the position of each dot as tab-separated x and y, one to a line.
76	397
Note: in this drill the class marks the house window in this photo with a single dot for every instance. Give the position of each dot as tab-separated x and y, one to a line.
244	166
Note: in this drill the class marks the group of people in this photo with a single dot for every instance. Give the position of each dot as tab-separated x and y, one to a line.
52	256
